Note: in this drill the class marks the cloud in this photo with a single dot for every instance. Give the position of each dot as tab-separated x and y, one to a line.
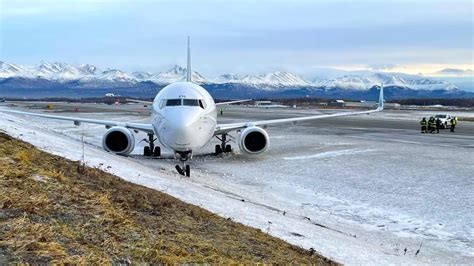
382	67
455	72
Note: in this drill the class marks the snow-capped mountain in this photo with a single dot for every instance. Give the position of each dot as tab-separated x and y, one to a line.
274	79
227	78
142	75
57	70
91	76
365	82
115	75
176	73
88	69
46	70
11	70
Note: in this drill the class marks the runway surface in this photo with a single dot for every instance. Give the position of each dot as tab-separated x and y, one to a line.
404	124
358	189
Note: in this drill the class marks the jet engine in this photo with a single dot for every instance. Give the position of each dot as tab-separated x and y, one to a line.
253	140
119	140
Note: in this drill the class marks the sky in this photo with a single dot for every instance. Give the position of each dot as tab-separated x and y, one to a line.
418	36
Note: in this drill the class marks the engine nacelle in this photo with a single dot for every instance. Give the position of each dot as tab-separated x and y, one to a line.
119	140
254	140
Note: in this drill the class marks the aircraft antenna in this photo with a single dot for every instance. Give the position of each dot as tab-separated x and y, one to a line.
188	68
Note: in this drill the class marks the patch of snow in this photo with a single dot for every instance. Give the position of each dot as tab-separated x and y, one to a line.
40	178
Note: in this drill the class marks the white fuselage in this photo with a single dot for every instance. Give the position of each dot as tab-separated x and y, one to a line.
184	116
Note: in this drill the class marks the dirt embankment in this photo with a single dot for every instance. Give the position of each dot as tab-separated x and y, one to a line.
51	210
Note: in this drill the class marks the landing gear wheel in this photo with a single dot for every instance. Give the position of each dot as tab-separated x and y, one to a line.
146	151
151	149
218	149
188	171
224	147
157	152
180	170
185	170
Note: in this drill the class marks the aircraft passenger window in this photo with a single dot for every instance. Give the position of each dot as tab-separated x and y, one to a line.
173	102
190	102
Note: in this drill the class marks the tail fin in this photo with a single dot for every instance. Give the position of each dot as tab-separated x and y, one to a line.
188	68
380	108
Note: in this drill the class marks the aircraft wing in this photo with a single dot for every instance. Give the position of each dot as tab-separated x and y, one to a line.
231	102
224	128
77	120
139	101
217	104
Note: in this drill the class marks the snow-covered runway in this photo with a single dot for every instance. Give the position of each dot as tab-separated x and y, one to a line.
359	190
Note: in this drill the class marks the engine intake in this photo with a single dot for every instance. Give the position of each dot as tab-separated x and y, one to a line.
253	140
119	140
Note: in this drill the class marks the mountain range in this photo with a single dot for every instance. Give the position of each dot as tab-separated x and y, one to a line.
54	79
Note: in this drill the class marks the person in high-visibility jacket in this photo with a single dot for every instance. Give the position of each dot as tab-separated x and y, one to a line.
431	125
454	122
438	124
423	124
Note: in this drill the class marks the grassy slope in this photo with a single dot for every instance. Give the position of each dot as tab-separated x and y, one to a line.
51	212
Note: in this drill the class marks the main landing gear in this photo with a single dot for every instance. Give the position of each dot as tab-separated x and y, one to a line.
151	149
184	168
223	147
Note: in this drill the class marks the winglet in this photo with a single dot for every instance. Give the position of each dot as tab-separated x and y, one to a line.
380	108
188	68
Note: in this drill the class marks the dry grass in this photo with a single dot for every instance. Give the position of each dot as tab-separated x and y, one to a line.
50	212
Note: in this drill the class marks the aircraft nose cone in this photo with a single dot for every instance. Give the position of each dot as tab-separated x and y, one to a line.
181	120
181	127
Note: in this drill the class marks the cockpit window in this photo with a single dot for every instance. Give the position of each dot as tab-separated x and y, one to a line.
173	102
190	102
185	102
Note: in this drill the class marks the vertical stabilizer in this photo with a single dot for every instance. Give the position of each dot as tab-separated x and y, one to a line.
188	68
381	97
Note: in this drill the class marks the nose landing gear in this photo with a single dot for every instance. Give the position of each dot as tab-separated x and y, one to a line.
184	169
223	147
151	149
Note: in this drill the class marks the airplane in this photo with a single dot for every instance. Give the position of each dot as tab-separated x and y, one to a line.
184	119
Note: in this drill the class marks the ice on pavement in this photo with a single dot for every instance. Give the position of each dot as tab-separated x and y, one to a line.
350	197
328	154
